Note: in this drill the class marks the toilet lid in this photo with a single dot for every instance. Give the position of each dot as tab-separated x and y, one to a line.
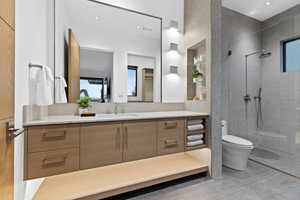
237	140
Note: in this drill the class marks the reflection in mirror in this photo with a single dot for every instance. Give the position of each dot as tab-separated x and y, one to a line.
96	69
109	54
140	78
196	72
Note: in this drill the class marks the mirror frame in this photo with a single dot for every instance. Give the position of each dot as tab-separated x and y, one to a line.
121	8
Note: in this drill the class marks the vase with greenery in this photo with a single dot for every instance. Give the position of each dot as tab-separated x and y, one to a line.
197	75
84	104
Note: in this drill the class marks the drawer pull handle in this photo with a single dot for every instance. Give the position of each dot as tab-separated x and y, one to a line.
126	138
118	139
170	125
54	161
55	136
171	143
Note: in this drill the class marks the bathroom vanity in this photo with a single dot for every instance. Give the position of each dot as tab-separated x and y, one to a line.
113	153
56	146
148	141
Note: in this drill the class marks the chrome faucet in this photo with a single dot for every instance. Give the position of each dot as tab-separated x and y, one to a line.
116	108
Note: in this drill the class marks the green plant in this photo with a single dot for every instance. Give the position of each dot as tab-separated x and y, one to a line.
196	73
84	102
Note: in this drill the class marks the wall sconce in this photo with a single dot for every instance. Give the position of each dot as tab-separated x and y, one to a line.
174	25
173	69
173	47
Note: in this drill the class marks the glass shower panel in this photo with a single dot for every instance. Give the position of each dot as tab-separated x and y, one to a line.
277	144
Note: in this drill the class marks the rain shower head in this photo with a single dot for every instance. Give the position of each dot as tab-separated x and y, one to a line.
265	54
262	53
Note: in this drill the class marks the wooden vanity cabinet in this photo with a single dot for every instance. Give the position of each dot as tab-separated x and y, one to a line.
100	145
57	149
140	140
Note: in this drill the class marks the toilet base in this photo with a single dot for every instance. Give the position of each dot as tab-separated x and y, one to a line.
235	157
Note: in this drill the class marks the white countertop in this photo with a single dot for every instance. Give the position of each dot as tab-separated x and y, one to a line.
71	119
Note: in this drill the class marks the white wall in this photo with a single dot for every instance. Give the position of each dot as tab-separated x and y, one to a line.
145	62
197	29
61	36
95	63
32	40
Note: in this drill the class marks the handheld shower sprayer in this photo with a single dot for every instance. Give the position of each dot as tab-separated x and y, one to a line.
258	107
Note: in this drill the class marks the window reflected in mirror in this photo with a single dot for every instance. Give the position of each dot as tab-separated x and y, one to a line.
97	89
132	81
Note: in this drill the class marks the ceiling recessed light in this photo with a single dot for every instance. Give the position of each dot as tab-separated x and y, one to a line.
268	3
97	17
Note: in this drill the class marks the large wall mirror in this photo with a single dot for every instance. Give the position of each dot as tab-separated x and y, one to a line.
108	53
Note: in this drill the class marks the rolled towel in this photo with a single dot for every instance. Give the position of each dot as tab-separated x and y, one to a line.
195	122
192	138
195	143
195	127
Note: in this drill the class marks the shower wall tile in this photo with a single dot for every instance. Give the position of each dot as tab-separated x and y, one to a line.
288	111
289	131
242	36
287	86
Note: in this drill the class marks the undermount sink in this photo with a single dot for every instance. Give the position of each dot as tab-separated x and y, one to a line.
117	115
127	114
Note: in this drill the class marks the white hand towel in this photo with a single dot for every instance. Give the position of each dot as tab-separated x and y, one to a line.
192	138
41	84
60	92
195	127
195	143
195	122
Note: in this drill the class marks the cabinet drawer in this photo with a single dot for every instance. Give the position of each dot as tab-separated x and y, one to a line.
171	128
49	163
171	136
168	145
52	138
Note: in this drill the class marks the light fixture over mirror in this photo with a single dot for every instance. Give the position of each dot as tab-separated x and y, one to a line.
174	25
173	69
173	47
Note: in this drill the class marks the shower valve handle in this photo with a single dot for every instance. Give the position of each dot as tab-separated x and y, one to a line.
247	98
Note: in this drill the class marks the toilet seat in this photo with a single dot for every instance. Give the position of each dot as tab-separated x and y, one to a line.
234	140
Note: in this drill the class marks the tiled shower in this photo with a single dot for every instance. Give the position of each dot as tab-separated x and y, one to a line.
277	135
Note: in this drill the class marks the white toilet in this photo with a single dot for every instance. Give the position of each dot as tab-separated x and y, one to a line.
236	150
